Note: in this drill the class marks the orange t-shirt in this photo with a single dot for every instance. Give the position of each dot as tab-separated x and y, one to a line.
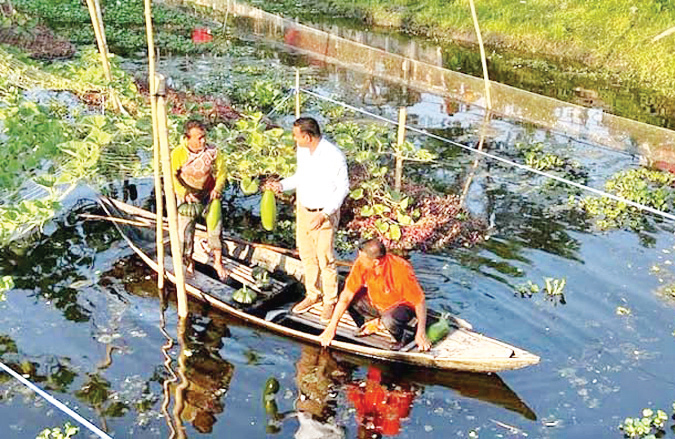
392	282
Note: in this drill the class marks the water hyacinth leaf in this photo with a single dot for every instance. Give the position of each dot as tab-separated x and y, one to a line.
379	209
6	283
356	194
367	211
394	232
382	226
249	186
403	219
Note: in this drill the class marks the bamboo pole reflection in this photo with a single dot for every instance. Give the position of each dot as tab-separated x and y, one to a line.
179	403
166	347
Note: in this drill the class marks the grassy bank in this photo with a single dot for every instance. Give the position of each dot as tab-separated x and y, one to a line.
609	37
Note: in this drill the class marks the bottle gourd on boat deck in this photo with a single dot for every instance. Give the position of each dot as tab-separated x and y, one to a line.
438	330
244	296
268	210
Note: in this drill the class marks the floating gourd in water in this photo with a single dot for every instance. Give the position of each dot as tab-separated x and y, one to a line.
268	210
438	330
271	408
249	186
271	386
190	209
244	296
261	278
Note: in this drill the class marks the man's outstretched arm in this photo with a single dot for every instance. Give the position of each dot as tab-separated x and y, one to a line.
421	339
328	334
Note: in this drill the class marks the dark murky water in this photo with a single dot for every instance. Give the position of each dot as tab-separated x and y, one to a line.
84	320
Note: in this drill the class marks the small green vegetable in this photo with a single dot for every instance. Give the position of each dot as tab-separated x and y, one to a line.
268	210
244	296
190	209
271	386
438	330
261	277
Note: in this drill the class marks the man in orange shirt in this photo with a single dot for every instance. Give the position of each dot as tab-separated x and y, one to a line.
391	297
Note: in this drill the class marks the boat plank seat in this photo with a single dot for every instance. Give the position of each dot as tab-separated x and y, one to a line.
346	328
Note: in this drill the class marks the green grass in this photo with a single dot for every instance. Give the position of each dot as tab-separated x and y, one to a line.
612	36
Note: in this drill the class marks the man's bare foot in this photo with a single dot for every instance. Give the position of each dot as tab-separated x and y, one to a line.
223	273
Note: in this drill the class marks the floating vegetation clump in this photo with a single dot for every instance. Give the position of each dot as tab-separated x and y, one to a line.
649	426
651	188
536	158
414	217
553	289
67	432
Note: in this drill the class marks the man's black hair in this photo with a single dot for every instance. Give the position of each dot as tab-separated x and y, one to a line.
373	248
308	125
193	123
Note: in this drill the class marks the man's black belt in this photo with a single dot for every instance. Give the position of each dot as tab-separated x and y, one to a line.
319	209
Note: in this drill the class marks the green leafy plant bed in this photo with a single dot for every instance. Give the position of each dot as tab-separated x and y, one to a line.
415	217
124	22
51	140
24	32
427	221
651	188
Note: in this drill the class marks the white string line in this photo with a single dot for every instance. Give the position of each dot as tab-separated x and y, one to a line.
500	159
58	404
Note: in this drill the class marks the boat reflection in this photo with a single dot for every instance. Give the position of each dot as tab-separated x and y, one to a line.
327	383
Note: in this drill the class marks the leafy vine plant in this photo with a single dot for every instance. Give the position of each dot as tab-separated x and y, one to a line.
68	431
650	425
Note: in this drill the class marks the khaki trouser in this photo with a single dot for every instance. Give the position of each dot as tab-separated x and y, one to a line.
317	255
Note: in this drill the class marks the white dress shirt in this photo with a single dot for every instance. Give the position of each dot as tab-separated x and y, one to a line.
321	178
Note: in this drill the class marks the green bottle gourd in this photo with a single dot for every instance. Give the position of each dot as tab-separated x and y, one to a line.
214	214
268	210
438	330
244	296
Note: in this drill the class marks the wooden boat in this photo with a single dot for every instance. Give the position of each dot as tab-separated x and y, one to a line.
462	349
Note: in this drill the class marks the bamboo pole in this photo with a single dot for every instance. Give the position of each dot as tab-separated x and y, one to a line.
402	115
97	23
171	208
159	202
483	60
297	93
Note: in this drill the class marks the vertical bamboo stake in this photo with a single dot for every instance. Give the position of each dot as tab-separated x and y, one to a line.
297	93
483	60
172	211
94	12
159	202
402	115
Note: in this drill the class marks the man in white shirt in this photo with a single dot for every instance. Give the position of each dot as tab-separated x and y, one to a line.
322	183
